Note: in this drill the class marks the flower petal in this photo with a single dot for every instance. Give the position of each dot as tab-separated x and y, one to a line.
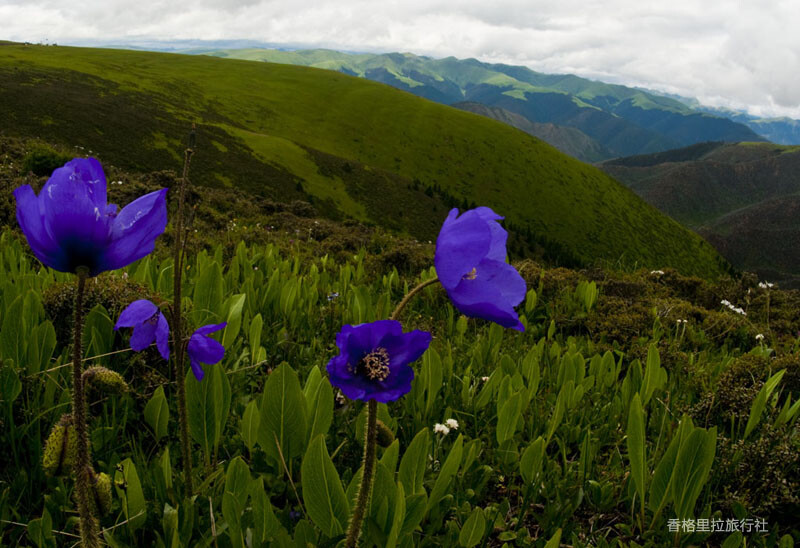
492	294
211	328
462	243
204	349
135	229
162	336
31	221
143	336
197	369
405	348
136	313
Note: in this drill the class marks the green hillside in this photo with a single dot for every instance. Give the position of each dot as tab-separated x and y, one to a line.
622	119
354	148
742	197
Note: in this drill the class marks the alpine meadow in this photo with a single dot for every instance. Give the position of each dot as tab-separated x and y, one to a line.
246	303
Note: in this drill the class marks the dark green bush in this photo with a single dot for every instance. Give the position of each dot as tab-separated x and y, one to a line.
43	161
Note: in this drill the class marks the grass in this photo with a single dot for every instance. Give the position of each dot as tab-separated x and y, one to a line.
147	100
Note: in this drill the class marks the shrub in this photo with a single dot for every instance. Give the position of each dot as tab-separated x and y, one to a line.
43	161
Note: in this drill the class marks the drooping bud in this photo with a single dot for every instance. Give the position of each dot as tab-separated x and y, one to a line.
385	436
100	502
60	448
104	380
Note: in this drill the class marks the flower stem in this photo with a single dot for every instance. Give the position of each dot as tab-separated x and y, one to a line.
410	294
365	488
83	466
177	330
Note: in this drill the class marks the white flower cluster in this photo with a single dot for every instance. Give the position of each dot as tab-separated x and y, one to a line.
444	429
656	272
679	322
733	308
118	183
760	337
765	285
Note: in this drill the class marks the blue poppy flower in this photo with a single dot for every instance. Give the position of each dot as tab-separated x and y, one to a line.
373	359
471	264
204	349
148	324
70	225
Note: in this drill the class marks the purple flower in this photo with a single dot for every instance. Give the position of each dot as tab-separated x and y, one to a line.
373	359
148	324
70	225
471	264
204	349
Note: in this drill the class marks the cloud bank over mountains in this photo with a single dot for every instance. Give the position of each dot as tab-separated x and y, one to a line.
733	54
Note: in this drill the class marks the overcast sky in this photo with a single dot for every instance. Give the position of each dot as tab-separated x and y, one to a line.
739	54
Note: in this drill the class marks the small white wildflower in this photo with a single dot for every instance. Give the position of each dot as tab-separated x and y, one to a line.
441	429
452	424
340	399
725	302
656	272
484	379
760	337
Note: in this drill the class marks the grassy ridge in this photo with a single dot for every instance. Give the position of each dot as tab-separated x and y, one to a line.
276	130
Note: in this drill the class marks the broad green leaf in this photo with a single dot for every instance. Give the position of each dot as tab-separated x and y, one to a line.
555	541
156	413
692	466
660	486
413	463
234	499
473	529
256	325
636	446
530	464
508	417
399	517
323	494
283	415
13	336
40	530
321	410
251	420
265	524
234	320
10	385
129	490
208	403
446	474
208	292
761	401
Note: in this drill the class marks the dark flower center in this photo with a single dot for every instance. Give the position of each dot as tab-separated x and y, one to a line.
375	365
471	275
153	320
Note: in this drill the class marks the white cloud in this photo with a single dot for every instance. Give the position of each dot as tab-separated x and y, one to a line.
724	52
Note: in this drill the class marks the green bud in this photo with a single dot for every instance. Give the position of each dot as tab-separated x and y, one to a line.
385	435
101	489
104	380
60	448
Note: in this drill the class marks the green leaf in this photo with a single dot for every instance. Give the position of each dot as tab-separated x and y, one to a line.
208	290
40	530
208	403
256	325
234	320
283	415
660	486
507	418
10	385
399	517
473	529
530	464
323	494
251	420
234	499
446	474
692	466
129	490
265	524
636	446
555	541
156	413
320	410
761	401
413	463
13	338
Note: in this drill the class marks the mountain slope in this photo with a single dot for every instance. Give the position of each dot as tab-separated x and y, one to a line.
625	120
355	148
566	139
743	198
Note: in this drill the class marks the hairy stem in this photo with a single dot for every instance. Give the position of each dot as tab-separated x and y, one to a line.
82	468
177	331
365	488
410	294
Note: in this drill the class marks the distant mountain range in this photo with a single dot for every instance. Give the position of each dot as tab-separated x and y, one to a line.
351	147
618	120
743	198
